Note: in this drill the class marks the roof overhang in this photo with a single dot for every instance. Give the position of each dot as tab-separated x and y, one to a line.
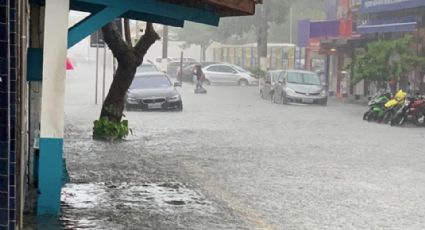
167	12
387	28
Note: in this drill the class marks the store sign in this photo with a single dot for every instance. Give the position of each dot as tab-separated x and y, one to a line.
374	6
373	3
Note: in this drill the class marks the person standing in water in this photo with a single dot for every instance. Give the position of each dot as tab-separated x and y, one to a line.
200	76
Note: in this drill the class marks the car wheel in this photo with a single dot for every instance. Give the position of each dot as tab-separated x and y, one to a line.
128	107
180	106
207	82
243	82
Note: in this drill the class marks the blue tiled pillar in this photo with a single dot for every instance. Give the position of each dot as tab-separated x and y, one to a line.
4	115
8	59
13	112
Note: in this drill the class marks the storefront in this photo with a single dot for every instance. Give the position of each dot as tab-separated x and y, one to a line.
381	19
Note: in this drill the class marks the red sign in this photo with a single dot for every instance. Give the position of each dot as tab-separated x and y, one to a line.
314	43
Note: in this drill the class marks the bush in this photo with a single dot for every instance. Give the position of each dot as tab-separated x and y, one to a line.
259	73
104	129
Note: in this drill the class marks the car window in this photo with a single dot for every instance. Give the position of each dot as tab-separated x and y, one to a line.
147	68
268	77
303	78
151	82
240	69
174	64
214	68
226	69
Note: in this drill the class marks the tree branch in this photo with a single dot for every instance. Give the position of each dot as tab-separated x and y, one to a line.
145	41
113	39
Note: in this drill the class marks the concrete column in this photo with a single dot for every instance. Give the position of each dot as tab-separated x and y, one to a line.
52	106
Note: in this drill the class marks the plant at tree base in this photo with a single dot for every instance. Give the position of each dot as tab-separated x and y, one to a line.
128	57
386	60
104	129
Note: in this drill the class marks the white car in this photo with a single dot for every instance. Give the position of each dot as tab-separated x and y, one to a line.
229	75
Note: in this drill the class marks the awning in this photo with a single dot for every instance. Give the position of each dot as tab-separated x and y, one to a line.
387	28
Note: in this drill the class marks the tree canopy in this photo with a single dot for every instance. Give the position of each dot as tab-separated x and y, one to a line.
386	60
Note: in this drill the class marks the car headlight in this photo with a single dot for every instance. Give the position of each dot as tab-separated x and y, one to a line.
290	91
131	98
174	98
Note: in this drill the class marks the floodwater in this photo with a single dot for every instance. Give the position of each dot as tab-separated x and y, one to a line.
233	161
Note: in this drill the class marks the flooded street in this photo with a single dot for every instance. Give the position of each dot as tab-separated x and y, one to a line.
233	161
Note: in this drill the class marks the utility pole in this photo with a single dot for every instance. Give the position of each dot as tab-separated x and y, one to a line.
164	48
97	68
291	22
262	40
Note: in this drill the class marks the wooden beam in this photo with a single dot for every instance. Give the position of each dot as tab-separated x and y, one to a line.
246	6
156	7
92	23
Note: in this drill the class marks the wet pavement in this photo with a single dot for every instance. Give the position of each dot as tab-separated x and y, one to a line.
233	161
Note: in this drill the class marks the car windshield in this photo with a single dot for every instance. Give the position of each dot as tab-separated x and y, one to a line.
146	68
152	82
240	69
303	78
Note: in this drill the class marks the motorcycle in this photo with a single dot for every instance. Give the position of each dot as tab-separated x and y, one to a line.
393	105
413	110
376	107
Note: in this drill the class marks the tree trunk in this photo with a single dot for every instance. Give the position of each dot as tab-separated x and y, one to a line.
113	106
128	58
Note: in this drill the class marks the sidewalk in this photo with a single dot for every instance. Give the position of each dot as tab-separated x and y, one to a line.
362	101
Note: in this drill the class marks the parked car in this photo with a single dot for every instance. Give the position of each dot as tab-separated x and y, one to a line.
267	84
229	74
301	87
153	91
146	67
174	67
207	63
158	63
188	71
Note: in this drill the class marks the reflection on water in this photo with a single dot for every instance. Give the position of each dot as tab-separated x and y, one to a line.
96	205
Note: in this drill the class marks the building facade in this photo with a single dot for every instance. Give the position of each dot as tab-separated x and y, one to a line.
395	19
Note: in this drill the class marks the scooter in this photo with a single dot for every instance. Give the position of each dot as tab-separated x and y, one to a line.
393	105
413	110
376	107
